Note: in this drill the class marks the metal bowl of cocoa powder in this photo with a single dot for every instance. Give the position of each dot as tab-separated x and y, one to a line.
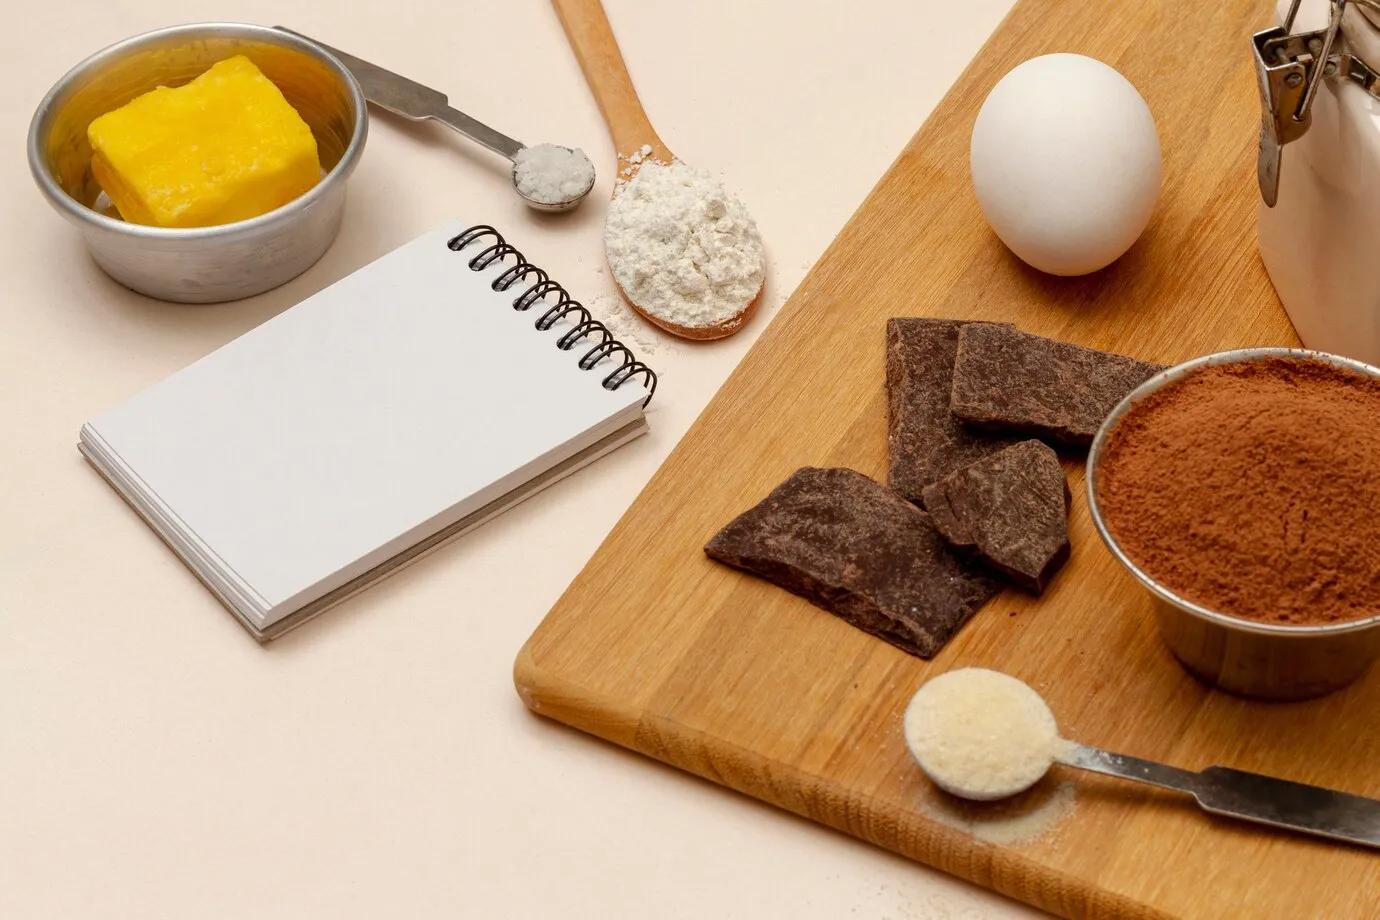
1242	490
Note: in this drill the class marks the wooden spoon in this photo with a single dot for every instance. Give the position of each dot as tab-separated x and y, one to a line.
587	27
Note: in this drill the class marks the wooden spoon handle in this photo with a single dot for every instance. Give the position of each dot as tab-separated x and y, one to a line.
587	27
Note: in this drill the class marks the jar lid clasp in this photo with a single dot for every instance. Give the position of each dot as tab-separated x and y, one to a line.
1289	68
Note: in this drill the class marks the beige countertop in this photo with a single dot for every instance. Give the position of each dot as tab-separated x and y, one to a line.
156	762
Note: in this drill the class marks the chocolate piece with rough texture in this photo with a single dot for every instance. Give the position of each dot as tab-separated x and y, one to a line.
1010	509
1008	380
924	440
854	547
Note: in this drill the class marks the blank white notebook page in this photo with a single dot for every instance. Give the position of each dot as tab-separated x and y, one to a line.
347	426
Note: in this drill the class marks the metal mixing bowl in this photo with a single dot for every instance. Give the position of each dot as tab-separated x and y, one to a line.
1266	660
203	264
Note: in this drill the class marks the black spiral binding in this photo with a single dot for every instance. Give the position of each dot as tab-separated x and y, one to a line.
586	326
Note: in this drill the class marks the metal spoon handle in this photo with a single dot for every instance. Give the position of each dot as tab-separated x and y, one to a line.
1247	796
411	99
1127	767
499	143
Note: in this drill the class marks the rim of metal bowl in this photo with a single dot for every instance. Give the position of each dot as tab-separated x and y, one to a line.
1163	378
79	212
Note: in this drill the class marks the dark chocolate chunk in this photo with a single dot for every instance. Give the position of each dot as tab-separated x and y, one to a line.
1010	509
924	441
854	547
1007	380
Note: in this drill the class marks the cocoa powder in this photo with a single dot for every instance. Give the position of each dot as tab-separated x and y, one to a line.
1253	489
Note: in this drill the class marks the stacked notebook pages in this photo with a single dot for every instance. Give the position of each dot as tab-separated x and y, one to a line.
401	406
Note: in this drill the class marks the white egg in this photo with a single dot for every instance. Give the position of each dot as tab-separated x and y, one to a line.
1066	163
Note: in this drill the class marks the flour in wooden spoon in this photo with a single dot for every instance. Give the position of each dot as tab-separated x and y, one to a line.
682	247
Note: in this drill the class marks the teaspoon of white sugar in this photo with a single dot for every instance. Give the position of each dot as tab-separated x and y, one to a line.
982	735
552	178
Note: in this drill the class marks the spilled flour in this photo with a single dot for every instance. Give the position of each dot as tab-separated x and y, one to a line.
682	247
633	159
626	326
1018	821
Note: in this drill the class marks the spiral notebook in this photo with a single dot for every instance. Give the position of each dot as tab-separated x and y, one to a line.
403	405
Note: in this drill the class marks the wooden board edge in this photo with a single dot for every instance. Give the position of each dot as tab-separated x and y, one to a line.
546	694
939	846
948	849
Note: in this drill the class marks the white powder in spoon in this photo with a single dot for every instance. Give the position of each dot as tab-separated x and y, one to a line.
552	175
682	247
981	734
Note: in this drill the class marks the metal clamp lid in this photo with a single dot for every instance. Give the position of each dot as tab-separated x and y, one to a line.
1289	72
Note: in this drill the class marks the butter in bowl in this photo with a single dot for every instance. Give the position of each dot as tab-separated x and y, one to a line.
202	163
225	147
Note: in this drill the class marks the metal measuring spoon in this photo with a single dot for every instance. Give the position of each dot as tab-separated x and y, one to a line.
1217	790
414	101
1247	796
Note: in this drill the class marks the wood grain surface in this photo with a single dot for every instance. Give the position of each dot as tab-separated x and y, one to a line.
658	649
591	37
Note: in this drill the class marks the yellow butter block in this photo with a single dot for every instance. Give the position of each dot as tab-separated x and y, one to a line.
225	147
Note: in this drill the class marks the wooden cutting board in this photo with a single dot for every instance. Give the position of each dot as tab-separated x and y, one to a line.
658	649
